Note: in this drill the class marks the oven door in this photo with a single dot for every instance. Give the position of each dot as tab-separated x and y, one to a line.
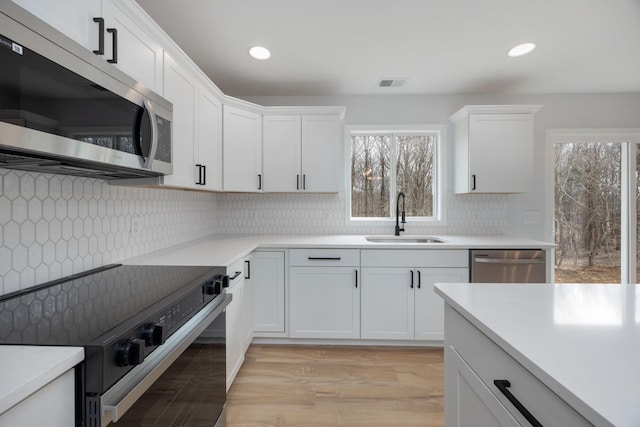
184	383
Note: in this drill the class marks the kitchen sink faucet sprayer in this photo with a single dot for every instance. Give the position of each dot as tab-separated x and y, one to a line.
398	229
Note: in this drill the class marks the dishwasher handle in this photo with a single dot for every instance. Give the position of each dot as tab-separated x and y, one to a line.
508	261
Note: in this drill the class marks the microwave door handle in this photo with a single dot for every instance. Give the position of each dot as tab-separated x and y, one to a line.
154	134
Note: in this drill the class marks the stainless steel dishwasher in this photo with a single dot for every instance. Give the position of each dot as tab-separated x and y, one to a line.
508	266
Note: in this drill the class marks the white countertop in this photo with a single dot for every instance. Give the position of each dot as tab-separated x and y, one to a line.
225	249
26	369
582	341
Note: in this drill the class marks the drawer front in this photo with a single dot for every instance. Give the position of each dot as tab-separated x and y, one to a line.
235	272
415	258
324	257
490	363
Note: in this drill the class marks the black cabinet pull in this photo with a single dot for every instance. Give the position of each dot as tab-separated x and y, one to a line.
473	187
304	181
114	54
248	276
503	386
259	182
100	50
235	276
204	174
356	278
411	271
419	279
199	181
298	182
314	258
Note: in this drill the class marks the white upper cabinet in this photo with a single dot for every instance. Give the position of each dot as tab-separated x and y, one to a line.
282	137
196	130
130	46
493	148
208	147
320	152
300	152
73	18
116	30
217	140
242	150
180	88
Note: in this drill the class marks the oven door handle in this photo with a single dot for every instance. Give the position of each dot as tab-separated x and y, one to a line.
116	401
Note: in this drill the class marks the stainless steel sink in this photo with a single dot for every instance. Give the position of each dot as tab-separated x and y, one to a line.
402	239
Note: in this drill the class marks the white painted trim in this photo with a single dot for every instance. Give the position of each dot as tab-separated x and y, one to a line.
354	342
628	212
441	181
493	109
579	135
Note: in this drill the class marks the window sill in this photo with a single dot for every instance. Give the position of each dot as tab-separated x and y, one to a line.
431	222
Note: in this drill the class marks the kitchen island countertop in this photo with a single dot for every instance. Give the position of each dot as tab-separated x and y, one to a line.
581	340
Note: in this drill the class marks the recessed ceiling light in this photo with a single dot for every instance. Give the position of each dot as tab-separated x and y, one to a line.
259	52
521	49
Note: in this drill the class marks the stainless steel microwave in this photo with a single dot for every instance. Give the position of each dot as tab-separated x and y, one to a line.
64	110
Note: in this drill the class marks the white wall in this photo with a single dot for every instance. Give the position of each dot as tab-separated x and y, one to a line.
559	111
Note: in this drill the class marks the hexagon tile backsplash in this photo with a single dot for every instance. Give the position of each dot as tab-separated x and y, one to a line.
52	226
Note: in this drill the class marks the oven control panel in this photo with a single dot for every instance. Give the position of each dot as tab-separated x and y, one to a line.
139	342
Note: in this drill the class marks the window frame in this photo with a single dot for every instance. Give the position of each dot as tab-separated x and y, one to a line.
440	184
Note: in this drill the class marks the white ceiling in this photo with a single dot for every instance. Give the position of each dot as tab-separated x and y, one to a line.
343	47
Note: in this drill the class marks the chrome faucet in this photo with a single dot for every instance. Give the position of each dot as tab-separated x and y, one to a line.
398	229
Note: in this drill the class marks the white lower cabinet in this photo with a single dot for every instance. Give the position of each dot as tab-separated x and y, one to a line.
268	282
473	364
397	298
325	293
247	312
428	307
476	405
387	304
234	326
324	302
53	405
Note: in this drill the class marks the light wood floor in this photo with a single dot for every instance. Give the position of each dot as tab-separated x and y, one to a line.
306	386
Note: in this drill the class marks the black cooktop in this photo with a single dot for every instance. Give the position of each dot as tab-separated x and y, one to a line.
82	309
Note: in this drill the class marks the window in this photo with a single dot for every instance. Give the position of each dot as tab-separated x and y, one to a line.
595	190
384	163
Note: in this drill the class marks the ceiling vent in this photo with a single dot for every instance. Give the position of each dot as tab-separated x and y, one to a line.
391	82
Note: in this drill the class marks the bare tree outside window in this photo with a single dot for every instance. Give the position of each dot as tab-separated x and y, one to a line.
588	212
414	172
370	160
384	164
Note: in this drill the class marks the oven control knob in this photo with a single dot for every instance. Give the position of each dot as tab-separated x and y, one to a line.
154	334
213	287
224	280
130	353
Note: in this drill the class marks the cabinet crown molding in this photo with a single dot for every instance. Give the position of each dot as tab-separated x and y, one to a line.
464	112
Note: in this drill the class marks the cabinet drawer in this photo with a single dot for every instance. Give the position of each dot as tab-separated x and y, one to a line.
415	258
235	272
324	257
490	362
